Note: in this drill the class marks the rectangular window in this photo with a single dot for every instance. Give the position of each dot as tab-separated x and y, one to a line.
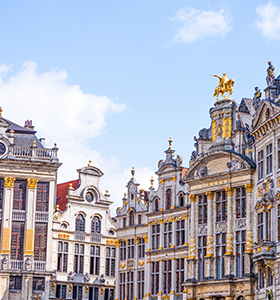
139	219
61	291
109	294
240	203
240	249
278	153
79	259
17	240
110	261
130	248
94	268
141	247
15	283
221	207
180	233
260	280
269	159
122	250
122	286
93	293
155	236
260	227
19	195
155	277
260	165
40	241
42	199
202	244
38	283
166	276
124	222
130	285
141	284
77	292
167	234
202	209
62	257
179	275
220	251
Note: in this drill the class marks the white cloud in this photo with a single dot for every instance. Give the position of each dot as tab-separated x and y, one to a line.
197	24
269	24
64	114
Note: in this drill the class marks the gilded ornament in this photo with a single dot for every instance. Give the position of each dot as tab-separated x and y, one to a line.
214	130
162	181
174	179
32	183
193	198
227	127
145	237
136	240
225	85
122	265
209	194
141	263
9	181
117	243
249	187
229	191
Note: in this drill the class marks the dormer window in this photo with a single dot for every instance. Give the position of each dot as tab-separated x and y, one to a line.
131	218
89	197
80	223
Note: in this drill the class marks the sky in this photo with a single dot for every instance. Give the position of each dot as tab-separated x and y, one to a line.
110	81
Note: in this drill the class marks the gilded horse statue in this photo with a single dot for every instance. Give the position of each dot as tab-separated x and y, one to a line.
225	85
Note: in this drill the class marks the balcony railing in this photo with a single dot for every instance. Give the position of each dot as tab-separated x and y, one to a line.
40	265
95	237
18	215
41	216
80	235
17	264
33	152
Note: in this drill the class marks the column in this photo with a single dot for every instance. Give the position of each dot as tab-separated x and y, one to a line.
7	220
173	232
160	283
229	255
208	267
117	287
249	228
173	278
136	269
161	237
149	238
192	248
148	280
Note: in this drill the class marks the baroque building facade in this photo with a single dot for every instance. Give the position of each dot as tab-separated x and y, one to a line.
28	173
84	252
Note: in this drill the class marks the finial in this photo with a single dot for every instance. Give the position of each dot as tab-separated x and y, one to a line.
124	194
89	163
132	172
170	142
1	110
106	193
54	145
152	181
12	132
70	186
34	143
57	207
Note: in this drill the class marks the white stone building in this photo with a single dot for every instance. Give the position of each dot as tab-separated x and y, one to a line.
84	252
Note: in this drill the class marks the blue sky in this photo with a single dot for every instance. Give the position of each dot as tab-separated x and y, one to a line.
111	81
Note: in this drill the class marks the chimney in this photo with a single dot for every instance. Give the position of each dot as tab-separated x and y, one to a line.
28	124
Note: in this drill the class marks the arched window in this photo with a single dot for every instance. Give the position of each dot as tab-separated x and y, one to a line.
168	198
131	218
96	225
80	223
181	199
156	205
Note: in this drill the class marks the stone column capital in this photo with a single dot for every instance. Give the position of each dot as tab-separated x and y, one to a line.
229	191
209	194
249	187
32	183
193	198
9	181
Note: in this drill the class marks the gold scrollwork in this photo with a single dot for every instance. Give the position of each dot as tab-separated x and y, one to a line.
227	127
32	183
193	198
122	265
9	181
214	130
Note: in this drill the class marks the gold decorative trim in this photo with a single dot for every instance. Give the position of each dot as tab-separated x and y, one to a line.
193	198
32	183
136	240
145	237
229	191
122	265
249	187
174	179
209	194
160	248
141	263
117	243
162	181
9	181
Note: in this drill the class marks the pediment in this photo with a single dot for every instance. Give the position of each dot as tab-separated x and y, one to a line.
261	113
217	162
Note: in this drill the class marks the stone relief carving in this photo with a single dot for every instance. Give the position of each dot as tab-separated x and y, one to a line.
235	165
220	227
71	276
202	230
239	224
202	172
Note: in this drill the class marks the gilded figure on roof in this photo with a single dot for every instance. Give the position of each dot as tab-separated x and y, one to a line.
225	85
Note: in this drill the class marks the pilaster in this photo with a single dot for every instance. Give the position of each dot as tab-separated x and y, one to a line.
117	287
173	278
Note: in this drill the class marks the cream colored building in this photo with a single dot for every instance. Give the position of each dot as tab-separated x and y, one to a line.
28	173
84	252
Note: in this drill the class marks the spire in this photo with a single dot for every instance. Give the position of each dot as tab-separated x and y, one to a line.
132	172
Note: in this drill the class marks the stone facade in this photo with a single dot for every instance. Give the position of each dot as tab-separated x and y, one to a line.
84	252
27	197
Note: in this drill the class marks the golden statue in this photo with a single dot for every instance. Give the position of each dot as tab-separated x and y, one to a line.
225	85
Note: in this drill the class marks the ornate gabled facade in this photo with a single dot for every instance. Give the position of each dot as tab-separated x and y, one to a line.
84	252
28	173
132	242
220	181
167	231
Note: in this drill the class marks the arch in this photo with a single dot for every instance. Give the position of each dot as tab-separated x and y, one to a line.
97	215
80	223
240	298
131	217
96	225
81	213
181	198
168	198
156	204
